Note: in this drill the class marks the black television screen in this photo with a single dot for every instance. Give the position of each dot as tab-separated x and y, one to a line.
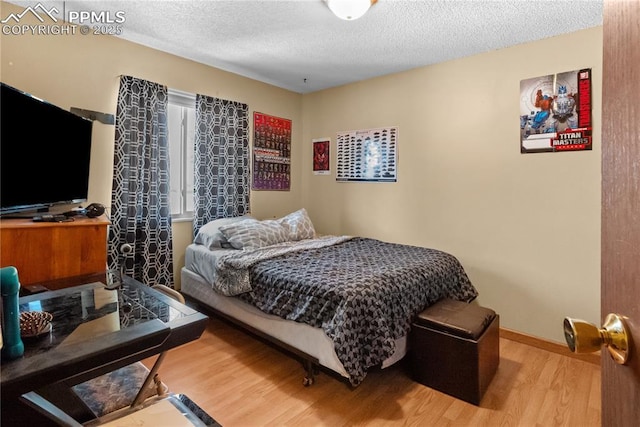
44	154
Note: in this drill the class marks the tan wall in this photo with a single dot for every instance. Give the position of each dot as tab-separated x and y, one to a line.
525	227
83	71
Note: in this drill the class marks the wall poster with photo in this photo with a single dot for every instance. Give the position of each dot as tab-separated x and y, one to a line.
368	155
321	150
271	153
555	112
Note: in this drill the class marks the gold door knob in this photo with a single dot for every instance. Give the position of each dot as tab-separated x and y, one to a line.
585	337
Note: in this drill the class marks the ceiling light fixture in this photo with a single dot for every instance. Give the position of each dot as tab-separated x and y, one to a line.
349	10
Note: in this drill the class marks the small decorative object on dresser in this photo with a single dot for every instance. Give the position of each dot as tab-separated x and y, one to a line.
35	323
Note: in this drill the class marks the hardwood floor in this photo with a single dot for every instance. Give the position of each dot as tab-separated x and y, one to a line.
241	381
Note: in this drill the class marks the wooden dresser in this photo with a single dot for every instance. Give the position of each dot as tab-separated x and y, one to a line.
46	251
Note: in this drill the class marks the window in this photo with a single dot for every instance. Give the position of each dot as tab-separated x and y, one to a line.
181	123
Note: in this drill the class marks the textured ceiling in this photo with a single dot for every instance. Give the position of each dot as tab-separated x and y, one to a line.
301	46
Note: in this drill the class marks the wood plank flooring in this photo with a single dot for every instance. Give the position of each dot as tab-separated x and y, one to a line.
241	381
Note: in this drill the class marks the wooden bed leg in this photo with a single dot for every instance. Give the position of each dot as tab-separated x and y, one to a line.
311	370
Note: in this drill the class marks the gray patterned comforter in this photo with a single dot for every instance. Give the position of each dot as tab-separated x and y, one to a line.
362	292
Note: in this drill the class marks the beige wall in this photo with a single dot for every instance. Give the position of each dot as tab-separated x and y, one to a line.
83	71
525	227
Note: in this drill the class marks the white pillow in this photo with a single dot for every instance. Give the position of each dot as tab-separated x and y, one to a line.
210	236
299	225
252	234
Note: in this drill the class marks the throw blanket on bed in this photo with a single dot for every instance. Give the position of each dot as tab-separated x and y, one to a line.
362	292
233	269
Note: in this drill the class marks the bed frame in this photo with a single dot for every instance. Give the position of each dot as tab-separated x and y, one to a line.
192	285
310	363
321	360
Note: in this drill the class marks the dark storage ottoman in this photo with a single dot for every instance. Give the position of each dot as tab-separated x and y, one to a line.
455	348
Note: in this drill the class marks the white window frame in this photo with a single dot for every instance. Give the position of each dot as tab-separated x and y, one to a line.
188	100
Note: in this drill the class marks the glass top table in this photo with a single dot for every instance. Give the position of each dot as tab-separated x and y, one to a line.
95	330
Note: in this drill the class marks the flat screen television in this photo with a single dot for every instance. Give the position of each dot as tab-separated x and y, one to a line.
44	154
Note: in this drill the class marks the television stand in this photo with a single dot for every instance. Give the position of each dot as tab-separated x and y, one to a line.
50	251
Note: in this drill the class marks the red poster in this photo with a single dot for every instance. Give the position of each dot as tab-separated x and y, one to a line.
271	153
321	149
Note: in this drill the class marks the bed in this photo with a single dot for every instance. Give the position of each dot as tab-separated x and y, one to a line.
344	303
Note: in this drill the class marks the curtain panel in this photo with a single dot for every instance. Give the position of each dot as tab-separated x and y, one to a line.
140	211
221	160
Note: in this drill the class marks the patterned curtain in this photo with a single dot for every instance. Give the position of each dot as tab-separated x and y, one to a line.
221	160
140	213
